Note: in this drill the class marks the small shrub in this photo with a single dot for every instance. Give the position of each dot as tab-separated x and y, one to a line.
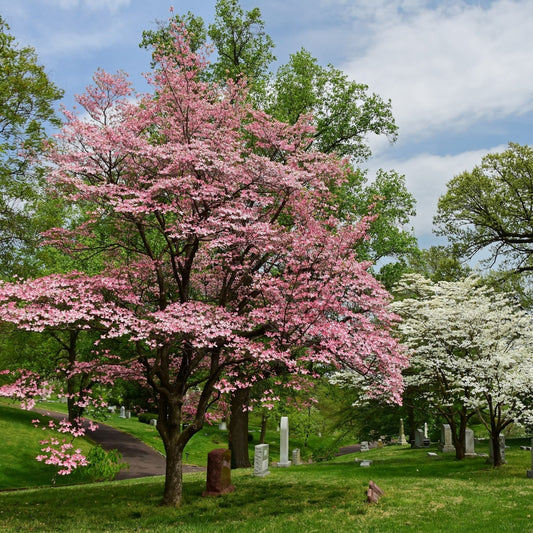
146	417
103	466
324	453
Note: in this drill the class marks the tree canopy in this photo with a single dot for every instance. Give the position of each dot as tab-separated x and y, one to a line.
27	98
491	208
217	259
471	352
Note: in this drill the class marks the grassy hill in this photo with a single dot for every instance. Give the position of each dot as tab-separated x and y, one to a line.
423	494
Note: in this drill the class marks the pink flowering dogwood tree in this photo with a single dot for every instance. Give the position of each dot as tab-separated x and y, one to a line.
222	254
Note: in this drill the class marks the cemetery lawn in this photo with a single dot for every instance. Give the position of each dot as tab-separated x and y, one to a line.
422	494
19	447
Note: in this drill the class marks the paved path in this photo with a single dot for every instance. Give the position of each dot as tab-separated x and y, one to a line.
142	459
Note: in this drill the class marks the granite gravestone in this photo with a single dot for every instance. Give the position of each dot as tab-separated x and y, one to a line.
218	473
446	442
261	460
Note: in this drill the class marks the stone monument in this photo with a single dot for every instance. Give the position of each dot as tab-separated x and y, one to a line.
446	442
261	460
402	439
296	456
284	443
469	443
218	473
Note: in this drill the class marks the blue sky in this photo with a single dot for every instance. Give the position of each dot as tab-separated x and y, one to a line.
459	73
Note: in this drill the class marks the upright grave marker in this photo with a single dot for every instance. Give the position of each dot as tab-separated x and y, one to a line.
402	439
284	443
446	442
469	442
218	473
261	460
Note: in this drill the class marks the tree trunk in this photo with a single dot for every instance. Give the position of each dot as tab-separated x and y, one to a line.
459	439
496	451
264	420
173	493
238	428
411	422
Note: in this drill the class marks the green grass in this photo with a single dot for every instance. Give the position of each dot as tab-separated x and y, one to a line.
422	494
19	447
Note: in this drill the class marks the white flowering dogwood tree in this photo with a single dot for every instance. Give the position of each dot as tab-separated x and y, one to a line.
472	353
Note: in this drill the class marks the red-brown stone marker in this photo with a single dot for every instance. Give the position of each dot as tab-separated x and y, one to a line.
218	473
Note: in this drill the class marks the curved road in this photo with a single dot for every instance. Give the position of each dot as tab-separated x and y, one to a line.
143	460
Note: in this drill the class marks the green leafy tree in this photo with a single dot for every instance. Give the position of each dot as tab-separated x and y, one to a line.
344	112
439	263
243	46
27	98
491	208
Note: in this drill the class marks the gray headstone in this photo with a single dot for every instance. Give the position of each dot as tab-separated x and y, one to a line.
261	460
365	463
296	456
284	443
469	442
153	421
446	442
421	441
122	412
223	426
364	446
490	460
419	438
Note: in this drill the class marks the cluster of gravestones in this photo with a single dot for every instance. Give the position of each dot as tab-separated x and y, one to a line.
219	460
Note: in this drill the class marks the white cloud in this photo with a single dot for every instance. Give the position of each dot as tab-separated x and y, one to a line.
426	178
79	43
448	66
93	5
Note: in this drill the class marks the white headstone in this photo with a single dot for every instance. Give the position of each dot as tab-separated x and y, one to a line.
223	426
364	446
425	430
261	460
402	439
284	442
122	412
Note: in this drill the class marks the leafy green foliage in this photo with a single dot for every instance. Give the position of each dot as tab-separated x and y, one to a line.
103	465
491	208
27	98
344	112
